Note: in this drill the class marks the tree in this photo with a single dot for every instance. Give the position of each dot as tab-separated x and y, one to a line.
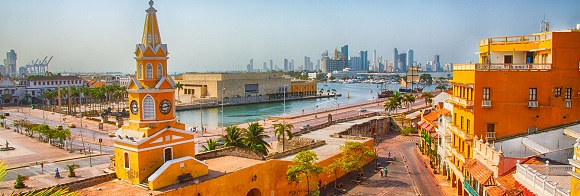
409	100
441	87
355	155
20	182
179	87
304	166
254	138
2	170
50	192
211	145
233	137
428	98
71	170
281	130
50	95
389	106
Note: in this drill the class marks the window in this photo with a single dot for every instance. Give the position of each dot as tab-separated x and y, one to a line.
557	91
149	71
490	127
159	70
508	59
455	119
168	154
461	125
140	71
148	108
486	93
533	94
126	160
568	94
467	126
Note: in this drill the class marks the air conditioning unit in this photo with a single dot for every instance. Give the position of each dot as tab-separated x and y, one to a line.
532	104
486	103
532	130
567	104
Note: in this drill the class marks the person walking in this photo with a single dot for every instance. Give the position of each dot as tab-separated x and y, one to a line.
56	174
386	171
382	173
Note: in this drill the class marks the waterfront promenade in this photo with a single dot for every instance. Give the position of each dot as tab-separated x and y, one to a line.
313	118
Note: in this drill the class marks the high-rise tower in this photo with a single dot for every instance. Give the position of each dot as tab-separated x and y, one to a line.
153	140
409	58
396	59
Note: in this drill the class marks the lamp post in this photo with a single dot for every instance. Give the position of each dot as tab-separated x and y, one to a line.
223	90
284	119
90	160
43	119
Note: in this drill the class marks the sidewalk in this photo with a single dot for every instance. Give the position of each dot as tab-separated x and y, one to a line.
47	179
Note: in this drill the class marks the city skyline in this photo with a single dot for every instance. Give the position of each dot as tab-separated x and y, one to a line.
228	34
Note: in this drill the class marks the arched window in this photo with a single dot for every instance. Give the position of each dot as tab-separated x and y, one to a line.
126	159
168	154
149	70
159	70
148	108
140	71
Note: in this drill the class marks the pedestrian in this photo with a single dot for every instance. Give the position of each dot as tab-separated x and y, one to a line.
42	166
382	173
302	111
389	154
386	171
56	174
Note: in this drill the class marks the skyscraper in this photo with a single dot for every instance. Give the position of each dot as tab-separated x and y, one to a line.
291	66
395	60
409	58
403	62
285	64
364	60
344	51
307	64
271	64
436	63
10	63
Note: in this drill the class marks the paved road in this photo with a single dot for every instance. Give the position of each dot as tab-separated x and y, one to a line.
88	135
49	168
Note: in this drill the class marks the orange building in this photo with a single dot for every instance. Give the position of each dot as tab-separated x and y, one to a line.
521	84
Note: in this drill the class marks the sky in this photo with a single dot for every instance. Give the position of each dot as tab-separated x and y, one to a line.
219	35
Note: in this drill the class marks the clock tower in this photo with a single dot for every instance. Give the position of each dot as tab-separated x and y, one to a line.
153	138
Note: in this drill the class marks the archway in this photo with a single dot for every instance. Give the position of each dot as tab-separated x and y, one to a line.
254	192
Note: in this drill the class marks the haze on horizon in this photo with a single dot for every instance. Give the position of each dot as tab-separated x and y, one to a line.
224	35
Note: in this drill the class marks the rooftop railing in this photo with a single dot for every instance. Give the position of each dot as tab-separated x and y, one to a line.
538	182
504	67
525	39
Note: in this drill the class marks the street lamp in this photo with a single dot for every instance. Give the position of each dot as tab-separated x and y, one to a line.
223	90
90	160
284	119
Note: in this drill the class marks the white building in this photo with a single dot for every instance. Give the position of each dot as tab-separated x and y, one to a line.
10	91
40	84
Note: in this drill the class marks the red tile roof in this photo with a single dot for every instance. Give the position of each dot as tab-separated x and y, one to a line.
494	191
508	182
478	171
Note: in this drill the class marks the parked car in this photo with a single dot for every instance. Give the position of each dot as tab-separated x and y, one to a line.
59	127
72	125
220	142
6	114
362	109
111	134
305	126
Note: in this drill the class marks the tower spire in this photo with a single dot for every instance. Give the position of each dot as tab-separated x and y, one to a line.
151	36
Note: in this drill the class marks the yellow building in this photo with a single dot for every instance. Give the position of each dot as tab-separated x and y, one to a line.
575	161
153	147
521	84
303	88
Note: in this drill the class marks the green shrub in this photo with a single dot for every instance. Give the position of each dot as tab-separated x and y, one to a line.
20	182
406	131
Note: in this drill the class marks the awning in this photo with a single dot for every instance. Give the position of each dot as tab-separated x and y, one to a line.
435	135
430	128
425	125
421	123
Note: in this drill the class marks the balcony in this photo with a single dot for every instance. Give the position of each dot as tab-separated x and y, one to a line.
540	179
503	67
460	101
526	39
457	154
469	189
459	132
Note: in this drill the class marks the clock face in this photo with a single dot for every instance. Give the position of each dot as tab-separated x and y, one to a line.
134	107
165	106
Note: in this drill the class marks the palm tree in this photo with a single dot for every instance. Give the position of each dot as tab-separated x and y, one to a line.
390	106
179	87
50	95
281	130
254	138
85	91
211	145
409	99
233	137
440	87
428	98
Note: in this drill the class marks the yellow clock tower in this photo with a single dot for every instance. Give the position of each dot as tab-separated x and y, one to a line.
154	147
